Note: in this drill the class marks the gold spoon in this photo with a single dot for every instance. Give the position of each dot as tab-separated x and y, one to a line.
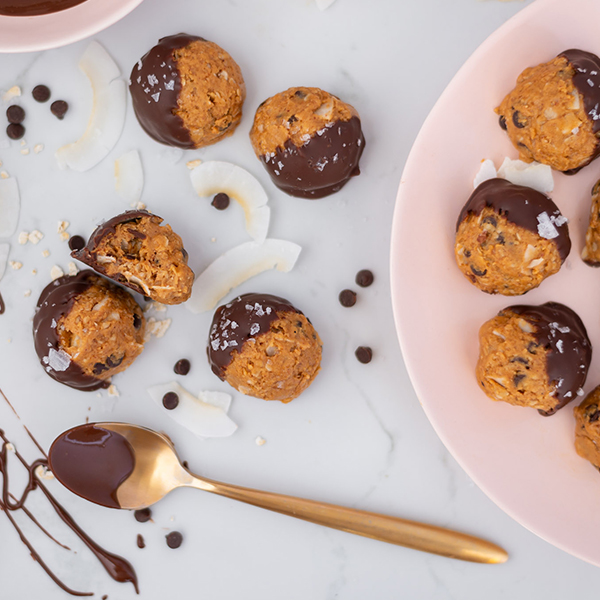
157	471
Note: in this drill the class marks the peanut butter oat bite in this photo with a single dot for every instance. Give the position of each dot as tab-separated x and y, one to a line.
136	250
187	92
552	115
587	427
86	329
264	347
309	141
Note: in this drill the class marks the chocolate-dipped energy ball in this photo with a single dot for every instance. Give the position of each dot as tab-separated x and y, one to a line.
86	329
136	250
591	251
309	141
551	116
509	238
264	347
187	92
535	356
587	428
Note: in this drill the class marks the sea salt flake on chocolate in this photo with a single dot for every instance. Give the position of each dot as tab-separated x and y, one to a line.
559	346
58	360
545	227
234	325
156	96
215	344
254	328
152	80
580	392
170	85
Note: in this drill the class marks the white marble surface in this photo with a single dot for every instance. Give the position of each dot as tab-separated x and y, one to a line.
358	436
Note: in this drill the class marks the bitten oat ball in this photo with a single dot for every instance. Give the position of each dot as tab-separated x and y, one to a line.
551	116
187	92
264	347
509	238
86	329
534	356
591	250
587	428
136	250
309	141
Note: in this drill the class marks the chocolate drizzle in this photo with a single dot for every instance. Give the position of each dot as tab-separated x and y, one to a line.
523	206
323	165
31	8
56	300
92	462
568	349
155	84
244	318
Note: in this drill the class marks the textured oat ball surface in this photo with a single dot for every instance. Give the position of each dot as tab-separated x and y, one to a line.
309	141
86	329
587	428
549	115
264	347
187	92
534	356
136	250
591	251
509	238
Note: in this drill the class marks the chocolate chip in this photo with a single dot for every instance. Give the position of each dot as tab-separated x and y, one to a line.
142	515
182	367
500	239
59	109
15	131
467	253
99	368
300	94
519	359
76	242
518	378
140	541
15	114
170	400
594	416
347	298
477	272
185	464
137	321
174	539
364	354
502	122
532	347
292	119
364	278
221	201
41	93
113	362
515	119
491	220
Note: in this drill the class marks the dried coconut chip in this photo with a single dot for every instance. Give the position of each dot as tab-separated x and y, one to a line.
214	177
205	416
238	265
533	175
129	177
4	252
107	116
10	204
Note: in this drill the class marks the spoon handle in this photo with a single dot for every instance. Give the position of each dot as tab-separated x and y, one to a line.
419	536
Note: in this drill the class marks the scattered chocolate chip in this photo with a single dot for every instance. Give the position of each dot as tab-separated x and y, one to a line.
182	367
59	109
174	539
15	114
477	272
502	122
221	201
142	515
105	597
76	242
140	541
41	93
515	118
170	400
364	278
347	298
364	354
15	131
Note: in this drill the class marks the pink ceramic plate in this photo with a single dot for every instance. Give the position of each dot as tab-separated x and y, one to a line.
28	34
524	462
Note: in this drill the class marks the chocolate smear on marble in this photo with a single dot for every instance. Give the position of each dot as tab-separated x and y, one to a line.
523	206
2	305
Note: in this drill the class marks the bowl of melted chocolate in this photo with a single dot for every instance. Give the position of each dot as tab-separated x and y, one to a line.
32	25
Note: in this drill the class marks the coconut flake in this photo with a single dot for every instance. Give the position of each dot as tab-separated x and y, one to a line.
238	265
487	170
205	416
129	177
214	177
10	204
533	175
4	252
107	116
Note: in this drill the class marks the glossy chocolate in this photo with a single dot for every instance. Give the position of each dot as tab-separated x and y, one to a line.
568	349
2	305
32	8
520	205
323	165
92	462
244	318
56	300
155	84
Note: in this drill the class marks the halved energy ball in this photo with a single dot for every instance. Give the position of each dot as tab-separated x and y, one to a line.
534	356
309	141
134	249
187	92
587	427
552	115
509	238
264	347
86	329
